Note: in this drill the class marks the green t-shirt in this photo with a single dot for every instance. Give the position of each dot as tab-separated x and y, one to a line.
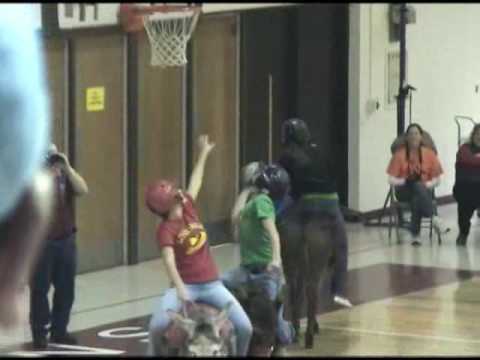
255	243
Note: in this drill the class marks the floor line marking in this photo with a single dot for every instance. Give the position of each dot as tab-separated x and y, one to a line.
386	333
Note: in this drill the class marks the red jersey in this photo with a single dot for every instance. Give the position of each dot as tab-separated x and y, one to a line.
188	238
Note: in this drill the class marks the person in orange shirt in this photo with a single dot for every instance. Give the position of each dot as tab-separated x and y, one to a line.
414	170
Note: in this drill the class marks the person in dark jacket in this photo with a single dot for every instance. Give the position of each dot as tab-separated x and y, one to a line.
313	186
57	262
466	189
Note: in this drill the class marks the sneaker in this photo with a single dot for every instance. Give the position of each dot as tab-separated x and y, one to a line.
439	226
462	240
340	300
66	339
40	343
416	242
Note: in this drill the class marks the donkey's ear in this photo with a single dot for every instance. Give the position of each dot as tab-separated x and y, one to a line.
221	318
223	314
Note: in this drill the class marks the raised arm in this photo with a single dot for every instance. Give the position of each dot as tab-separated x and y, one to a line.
196	178
269	225
78	183
237	208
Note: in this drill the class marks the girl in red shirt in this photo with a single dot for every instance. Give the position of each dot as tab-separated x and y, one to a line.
187	258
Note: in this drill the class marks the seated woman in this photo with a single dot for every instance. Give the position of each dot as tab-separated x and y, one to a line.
414	171
467	183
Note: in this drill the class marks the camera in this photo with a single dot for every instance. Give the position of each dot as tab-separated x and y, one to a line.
52	159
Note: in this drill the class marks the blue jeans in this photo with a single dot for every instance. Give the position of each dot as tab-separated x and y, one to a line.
213	293
57	265
272	283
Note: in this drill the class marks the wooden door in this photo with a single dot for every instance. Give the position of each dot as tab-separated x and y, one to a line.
98	144
54	50
161	137
322	93
268	73
215	112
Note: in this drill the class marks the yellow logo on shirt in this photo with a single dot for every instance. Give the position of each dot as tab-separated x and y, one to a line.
193	237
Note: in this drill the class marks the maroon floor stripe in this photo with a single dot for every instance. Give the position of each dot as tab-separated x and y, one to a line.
367	284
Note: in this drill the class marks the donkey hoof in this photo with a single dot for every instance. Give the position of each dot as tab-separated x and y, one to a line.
308	341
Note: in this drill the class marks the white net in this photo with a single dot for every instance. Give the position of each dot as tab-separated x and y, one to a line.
169	36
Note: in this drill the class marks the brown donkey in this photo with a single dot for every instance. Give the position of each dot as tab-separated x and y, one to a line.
307	252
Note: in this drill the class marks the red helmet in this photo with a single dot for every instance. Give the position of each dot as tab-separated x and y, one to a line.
160	196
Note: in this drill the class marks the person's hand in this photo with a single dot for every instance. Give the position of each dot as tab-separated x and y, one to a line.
429	184
183	294
275	266
204	144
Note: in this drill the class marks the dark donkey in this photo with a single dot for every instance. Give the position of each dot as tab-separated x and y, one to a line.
307	252
263	315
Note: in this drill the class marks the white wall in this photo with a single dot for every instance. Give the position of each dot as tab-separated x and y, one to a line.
443	64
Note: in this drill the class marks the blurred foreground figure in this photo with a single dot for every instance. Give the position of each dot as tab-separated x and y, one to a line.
25	191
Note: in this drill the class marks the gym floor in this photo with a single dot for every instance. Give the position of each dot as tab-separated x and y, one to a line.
408	301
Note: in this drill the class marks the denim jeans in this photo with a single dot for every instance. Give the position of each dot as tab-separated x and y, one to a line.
213	293
272	283
421	203
56	265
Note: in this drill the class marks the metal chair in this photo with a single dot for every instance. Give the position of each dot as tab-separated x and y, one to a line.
397	208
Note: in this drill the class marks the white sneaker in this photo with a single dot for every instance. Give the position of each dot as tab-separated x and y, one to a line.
439	226
342	301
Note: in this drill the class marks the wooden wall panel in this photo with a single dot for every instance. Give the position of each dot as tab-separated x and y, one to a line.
99	150
214	76
161	143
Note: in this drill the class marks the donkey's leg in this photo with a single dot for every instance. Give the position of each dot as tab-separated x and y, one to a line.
319	250
293	304
316	328
312	292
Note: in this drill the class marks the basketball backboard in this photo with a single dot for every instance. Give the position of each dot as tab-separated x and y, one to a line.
70	16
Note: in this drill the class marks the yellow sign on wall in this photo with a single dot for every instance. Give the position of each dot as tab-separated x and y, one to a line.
96	98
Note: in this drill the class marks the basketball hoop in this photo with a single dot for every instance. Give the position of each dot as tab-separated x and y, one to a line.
169	27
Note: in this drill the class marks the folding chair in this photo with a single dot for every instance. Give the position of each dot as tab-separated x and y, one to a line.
397	208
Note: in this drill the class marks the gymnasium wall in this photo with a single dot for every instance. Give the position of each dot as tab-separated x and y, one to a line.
442	63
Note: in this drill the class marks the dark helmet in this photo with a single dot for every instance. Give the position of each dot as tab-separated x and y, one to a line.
295	131
275	179
250	172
